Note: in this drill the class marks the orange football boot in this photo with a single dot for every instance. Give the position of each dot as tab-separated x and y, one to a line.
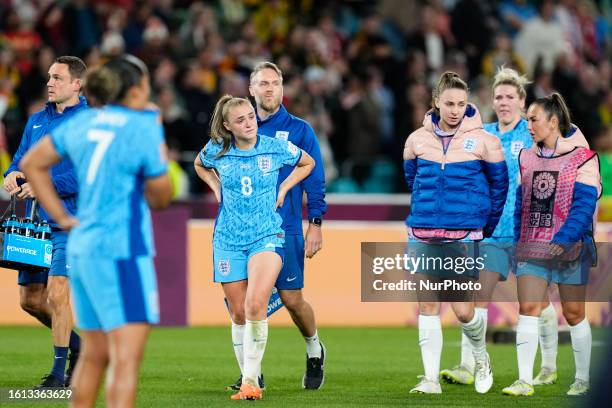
248	392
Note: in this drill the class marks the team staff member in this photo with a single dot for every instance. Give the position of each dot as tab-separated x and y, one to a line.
45	295
120	160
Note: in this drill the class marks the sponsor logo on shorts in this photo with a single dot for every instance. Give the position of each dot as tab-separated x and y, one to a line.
291	279
223	267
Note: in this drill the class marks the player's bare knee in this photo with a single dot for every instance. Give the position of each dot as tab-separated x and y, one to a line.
292	300
57	298
30	303
428	308
573	315
530	309
465	316
98	357
254	307
238	316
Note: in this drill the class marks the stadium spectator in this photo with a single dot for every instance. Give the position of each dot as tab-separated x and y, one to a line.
514	14
541	36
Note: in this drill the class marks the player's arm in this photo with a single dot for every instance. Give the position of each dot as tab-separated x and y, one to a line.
158	191
302	169
496	172
584	202
209	176
36	164
314	186
66	183
410	163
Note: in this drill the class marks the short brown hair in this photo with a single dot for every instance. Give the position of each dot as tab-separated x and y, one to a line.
266	65
76	66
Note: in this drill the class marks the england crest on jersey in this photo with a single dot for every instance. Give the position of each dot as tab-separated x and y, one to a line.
515	147
264	163
282	134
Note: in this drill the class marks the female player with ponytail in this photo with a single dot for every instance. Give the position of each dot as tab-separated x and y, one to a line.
555	204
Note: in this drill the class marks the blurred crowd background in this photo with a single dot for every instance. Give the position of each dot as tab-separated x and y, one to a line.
360	72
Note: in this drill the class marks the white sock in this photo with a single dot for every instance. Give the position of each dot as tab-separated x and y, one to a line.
549	337
255	339
238	340
430	341
467	355
313	346
474	330
581	344
526	346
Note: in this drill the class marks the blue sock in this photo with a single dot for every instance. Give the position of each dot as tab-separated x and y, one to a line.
59	363
75	342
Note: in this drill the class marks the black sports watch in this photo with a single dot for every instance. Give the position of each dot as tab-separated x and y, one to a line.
315	221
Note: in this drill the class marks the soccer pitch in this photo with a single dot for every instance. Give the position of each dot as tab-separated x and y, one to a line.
368	367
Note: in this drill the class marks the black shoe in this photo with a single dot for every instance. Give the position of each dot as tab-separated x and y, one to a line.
50	381
315	376
72	361
236	386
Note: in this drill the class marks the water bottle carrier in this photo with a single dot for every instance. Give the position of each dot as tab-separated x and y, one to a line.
25	242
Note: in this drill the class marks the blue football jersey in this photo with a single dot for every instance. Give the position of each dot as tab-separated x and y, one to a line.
248	190
113	150
512	143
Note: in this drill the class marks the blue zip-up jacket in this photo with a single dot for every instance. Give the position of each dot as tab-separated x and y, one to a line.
284	125
62	174
512	143
462	186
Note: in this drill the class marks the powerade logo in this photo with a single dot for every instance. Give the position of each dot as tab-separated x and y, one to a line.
274	305
25	251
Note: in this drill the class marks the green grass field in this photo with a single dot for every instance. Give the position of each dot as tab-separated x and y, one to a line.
365	367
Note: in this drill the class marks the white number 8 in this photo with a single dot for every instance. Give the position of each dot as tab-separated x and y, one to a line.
247	185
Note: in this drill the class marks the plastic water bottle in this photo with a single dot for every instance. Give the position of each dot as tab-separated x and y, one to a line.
28	228
44	230
13	225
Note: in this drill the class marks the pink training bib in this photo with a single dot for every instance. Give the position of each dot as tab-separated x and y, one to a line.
547	188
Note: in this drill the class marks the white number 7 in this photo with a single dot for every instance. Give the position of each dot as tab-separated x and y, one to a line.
103	138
